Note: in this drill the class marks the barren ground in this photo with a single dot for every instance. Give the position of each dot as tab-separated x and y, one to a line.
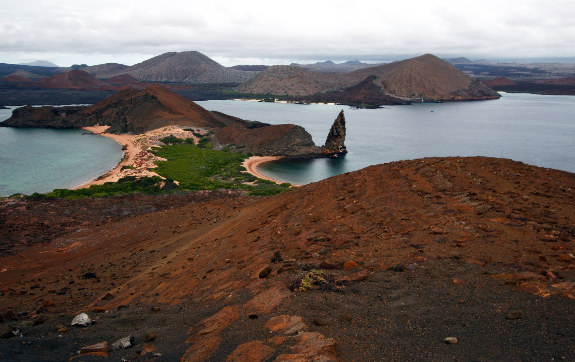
403	255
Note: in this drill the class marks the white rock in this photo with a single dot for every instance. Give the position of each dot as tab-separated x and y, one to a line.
81	320
123	343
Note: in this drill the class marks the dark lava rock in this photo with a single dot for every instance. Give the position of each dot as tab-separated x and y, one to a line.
277	257
321	321
265	272
514	315
6	332
335	142
89	275
7	315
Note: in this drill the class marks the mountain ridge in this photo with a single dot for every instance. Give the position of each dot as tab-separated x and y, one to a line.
422	78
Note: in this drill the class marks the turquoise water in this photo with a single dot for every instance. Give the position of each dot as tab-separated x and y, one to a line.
535	129
40	160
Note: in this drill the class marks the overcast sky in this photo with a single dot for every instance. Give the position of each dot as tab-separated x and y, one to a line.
70	32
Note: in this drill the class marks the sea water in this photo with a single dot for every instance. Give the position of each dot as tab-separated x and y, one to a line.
535	129
40	160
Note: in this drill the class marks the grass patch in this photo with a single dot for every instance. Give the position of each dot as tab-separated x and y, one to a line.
195	167
202	168
126	185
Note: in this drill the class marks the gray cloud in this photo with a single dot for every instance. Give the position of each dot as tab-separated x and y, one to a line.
233	32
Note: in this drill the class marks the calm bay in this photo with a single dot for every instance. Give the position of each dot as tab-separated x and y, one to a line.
535	129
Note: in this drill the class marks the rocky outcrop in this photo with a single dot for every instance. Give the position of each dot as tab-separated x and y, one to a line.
268	140
335	142
44	117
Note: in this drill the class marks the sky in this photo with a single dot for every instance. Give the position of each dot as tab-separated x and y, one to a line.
234	32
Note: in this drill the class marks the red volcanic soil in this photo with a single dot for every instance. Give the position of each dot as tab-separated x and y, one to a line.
151	108
75	79
382	263
501	81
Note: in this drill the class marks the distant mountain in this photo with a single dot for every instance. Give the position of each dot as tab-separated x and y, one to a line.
424	78
41	63
22	76
329	66
290	80
104	71
183	67
250	68
8	69
460	60
75	79
501	81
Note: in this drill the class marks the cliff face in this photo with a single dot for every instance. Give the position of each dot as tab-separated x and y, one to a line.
335	142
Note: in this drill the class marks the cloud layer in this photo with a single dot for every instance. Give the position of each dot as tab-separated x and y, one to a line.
234	32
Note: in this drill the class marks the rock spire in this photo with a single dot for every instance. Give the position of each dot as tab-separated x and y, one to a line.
335	142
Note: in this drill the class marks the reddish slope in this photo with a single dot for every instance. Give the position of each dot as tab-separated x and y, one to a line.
75	79
410	223
140	111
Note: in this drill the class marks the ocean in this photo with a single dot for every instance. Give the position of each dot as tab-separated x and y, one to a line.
535	129
40	160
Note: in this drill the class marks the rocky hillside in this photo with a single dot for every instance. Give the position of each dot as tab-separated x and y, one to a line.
134	111
425	78
104	71
265	139
430	259
138	111
183	67
74	79
289	80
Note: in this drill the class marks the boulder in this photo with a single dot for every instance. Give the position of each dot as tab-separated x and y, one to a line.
81	320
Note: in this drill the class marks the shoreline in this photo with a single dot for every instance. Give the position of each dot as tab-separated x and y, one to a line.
251	165
129	148
136	157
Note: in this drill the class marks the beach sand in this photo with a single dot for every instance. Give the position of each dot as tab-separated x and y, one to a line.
136	152
139	160
251	164
130	149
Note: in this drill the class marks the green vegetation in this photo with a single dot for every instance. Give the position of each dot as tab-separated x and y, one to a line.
173	140
128	184
201	168
194	167
311	280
